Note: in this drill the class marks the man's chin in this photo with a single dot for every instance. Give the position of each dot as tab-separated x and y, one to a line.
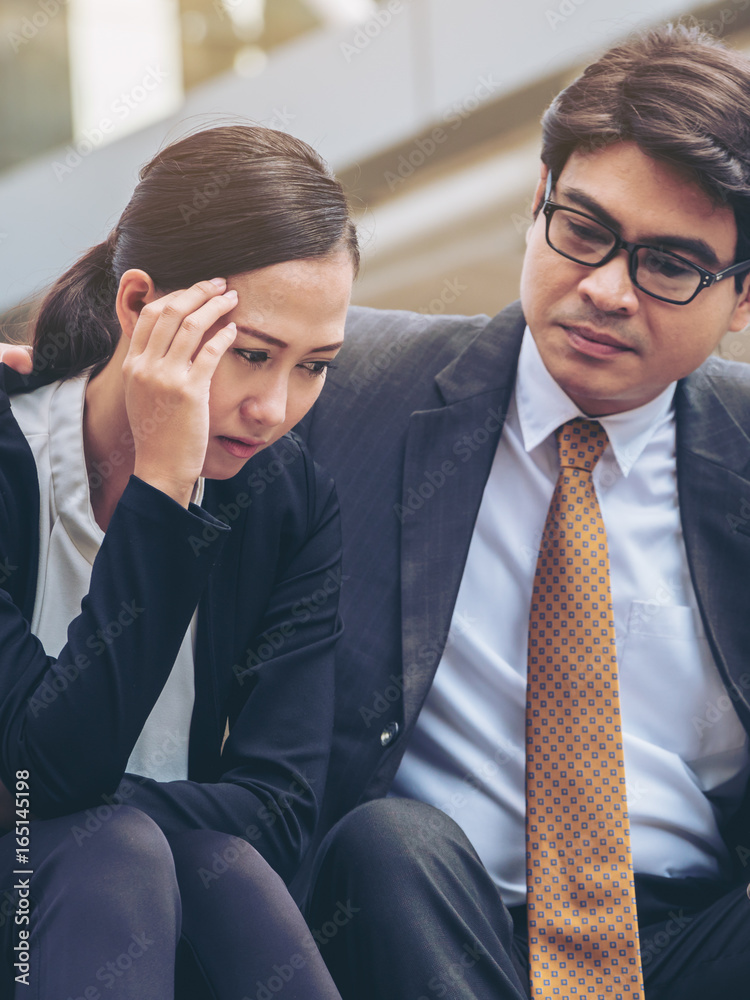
596	397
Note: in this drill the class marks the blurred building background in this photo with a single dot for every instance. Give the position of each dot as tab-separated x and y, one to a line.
427	109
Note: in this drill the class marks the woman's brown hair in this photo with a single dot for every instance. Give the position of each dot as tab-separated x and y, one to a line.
221	201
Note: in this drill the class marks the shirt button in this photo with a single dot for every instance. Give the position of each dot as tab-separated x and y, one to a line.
389	734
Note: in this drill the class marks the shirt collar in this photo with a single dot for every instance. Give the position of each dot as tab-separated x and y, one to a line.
543	406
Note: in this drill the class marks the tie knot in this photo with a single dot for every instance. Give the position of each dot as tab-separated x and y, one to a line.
581	443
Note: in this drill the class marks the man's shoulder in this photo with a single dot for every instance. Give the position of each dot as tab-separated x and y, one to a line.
727	381
713	414
388	350
398	332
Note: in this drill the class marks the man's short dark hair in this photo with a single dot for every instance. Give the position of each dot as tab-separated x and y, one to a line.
681	95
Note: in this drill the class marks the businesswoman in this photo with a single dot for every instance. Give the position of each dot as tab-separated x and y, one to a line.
176	751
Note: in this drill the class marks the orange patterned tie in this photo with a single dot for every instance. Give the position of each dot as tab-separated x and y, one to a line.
583	932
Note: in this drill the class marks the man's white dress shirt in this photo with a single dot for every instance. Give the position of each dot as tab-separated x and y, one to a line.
686	753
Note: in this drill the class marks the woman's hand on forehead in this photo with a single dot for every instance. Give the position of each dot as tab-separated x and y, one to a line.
167	374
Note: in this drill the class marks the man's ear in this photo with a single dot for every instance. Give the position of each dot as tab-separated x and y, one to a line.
538	199
135	291
741	315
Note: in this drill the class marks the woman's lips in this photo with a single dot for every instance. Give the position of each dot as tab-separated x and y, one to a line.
240	447
593	343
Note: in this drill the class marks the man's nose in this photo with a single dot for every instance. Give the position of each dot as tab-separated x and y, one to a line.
610	287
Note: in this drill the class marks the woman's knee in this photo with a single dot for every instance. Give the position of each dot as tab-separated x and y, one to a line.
221	864
115	854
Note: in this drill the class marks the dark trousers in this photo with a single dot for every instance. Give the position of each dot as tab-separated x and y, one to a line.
426	920
112	902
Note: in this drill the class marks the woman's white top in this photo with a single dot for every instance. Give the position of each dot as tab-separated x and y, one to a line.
69	538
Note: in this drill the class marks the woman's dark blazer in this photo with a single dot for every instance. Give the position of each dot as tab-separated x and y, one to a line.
260	558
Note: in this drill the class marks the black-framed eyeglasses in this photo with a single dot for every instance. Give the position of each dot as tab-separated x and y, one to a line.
660	273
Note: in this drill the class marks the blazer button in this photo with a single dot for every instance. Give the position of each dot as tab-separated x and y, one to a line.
389	734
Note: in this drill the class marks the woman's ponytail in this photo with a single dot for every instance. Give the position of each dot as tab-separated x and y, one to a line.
76	326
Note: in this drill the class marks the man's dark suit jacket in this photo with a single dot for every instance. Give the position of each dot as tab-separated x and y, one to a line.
262	557
408	427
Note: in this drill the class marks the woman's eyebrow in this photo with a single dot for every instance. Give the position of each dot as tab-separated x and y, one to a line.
252	332
275	342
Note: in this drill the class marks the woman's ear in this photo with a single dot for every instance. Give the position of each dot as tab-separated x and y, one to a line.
136	290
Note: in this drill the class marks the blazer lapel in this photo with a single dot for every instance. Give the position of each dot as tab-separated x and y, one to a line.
713	469
19	504
449	453
214	649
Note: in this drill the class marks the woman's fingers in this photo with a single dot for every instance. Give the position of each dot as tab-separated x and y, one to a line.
212	351
167	373
17	358
177	322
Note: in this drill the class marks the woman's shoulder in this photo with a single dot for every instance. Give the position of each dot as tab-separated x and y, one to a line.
31	408
37	407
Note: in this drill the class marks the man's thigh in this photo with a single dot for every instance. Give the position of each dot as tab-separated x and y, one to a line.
700	955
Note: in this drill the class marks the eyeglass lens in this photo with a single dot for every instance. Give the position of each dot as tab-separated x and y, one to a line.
656	271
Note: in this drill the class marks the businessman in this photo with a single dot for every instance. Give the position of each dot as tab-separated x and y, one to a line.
544	685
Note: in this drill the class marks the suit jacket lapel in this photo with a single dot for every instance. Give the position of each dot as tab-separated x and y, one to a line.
449	453
713	469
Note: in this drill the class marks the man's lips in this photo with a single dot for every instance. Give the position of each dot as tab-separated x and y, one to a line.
595	343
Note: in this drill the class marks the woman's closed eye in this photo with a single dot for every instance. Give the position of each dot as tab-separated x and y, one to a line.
253	358
317	368
257	358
